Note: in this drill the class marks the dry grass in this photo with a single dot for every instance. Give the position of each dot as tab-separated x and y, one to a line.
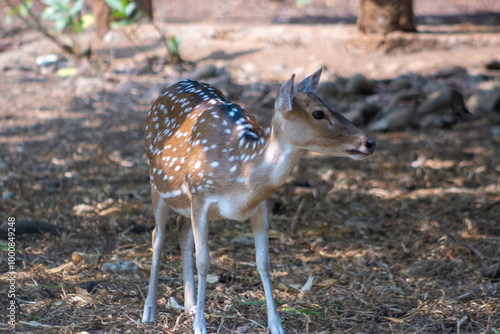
396	244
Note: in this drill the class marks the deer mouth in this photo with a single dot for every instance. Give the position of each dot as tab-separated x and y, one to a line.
366	149
357	154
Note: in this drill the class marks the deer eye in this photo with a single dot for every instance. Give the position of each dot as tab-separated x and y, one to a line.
318	114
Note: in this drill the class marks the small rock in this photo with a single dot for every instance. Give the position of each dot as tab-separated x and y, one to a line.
399	83
445	118
492	271
432	122
491	101
444	100
405	95
204	72
328	90
120	267
359	84
455	71
221	82
436	102
361	113
394	120
245	241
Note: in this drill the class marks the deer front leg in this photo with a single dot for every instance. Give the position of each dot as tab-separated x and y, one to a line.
186	243
260	227
200	226
161	212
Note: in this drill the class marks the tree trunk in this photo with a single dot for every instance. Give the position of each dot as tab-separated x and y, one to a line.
146	7
102	12
384	16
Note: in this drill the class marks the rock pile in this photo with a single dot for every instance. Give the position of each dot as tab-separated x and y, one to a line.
413	101
410	101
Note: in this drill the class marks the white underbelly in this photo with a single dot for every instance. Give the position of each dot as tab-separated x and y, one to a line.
233	207
186	212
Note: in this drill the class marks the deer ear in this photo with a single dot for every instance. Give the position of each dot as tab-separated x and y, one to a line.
310	84
284	100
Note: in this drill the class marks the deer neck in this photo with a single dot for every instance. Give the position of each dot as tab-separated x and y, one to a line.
279	156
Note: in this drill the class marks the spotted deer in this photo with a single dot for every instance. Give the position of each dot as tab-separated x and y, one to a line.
210	160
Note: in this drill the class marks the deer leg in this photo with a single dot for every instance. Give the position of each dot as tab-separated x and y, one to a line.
161	212
260	227
200	233
186	243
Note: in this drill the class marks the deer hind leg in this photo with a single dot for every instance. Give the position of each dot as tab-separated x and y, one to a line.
260	227
186	243
161	210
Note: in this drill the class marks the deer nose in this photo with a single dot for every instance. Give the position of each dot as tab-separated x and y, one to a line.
370	145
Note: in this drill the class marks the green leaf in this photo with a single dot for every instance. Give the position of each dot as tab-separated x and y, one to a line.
77	27
28	4
25	7
129	9
60	25
50	14
173	44
118	15
76	8
12	11
115	4
23	11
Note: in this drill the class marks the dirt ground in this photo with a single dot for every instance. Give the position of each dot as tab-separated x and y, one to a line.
407	241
